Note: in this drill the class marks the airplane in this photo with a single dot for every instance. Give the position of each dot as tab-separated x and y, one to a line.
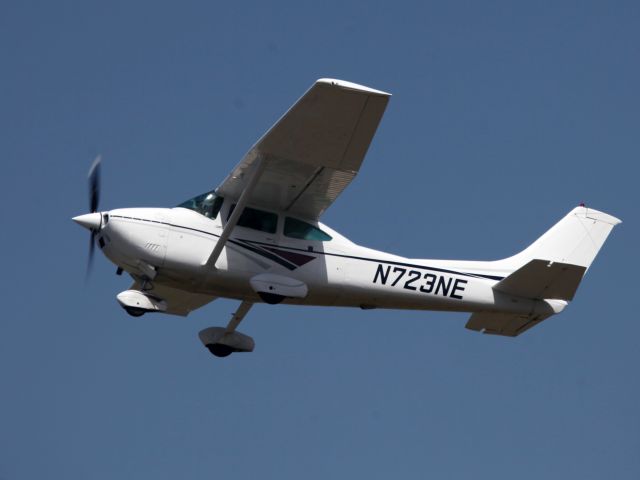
257	237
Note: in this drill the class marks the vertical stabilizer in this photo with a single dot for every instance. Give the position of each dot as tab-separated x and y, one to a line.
574	240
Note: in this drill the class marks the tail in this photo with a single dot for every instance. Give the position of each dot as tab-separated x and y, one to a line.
550	269
575	240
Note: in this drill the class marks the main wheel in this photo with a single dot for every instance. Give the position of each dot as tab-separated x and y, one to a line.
134	312
220	350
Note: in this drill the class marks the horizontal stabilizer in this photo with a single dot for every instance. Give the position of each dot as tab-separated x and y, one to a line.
506	324
541	279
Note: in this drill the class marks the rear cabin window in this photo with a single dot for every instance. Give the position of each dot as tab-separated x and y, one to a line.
294	228
207	204
257	219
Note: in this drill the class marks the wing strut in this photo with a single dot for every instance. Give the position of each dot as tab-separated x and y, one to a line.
237	211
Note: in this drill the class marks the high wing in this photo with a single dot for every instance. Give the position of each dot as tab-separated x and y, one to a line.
313	152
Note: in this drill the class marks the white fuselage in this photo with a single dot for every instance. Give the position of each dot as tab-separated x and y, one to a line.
176	243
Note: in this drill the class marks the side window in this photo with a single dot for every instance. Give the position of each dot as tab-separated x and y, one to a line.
294	228
257	219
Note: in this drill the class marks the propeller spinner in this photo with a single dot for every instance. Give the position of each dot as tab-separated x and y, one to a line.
92	221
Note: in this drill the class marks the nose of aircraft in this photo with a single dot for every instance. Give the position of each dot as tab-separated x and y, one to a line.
90	221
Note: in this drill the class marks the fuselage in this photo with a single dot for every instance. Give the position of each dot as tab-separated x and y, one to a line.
175	243
256	238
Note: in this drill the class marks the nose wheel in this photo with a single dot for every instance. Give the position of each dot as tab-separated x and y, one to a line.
134	312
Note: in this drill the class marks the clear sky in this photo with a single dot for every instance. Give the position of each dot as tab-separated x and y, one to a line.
504	116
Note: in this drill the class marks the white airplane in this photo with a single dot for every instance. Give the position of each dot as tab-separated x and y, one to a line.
258	238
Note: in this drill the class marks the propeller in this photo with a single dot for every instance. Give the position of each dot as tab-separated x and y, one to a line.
94	184
94	201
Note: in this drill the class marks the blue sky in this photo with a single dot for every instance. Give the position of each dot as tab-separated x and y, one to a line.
505	115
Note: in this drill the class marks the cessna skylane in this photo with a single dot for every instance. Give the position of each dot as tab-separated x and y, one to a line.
257	238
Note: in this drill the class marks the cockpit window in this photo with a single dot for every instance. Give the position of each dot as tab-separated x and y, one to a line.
294	228
207	204
257	219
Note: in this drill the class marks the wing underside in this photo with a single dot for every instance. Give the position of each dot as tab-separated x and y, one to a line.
313	152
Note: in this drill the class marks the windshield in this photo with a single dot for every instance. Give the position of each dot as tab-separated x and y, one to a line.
207	204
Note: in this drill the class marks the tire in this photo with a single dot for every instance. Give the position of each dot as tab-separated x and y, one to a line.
220	350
